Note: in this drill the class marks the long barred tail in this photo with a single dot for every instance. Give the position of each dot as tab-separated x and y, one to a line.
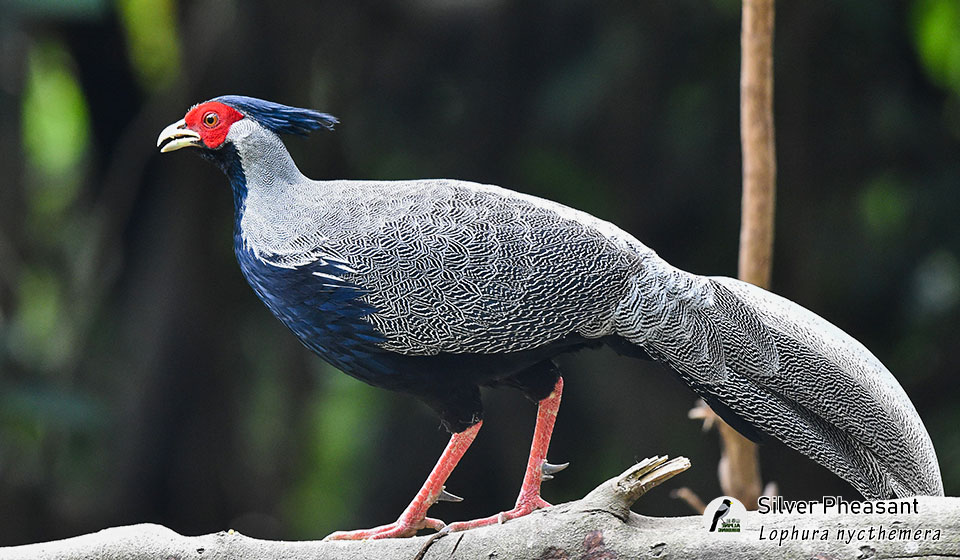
765	364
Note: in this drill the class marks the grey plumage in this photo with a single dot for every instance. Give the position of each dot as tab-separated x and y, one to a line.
452	267
459	267
870	430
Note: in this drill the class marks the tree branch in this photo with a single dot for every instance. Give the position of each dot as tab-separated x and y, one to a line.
599	526
757	142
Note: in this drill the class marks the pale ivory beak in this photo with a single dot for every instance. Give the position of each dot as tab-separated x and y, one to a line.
177	136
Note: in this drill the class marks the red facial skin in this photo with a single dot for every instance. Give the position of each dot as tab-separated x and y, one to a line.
212	120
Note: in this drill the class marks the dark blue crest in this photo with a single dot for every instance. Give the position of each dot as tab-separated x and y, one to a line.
281	119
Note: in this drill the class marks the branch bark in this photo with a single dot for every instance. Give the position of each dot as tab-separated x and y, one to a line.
599	526
757	142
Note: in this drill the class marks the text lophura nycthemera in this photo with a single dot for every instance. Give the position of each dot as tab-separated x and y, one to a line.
437	287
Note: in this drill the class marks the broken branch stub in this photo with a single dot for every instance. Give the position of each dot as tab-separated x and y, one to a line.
618	494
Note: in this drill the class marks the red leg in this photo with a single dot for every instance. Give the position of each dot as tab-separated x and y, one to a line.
529	498
415	517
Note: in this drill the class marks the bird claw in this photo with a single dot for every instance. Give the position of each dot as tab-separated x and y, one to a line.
447	496
547	470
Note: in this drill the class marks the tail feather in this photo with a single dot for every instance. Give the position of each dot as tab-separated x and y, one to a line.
836	378
799	429
772	365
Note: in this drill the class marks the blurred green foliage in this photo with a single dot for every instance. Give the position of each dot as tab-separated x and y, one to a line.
151	31
34	333
936	26
338	455
56	125
141	380
885	206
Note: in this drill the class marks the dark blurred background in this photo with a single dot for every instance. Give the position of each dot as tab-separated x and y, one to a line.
142	380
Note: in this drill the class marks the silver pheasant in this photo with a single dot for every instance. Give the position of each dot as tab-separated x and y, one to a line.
437	287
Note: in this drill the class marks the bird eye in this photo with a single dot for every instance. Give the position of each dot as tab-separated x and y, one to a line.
211	119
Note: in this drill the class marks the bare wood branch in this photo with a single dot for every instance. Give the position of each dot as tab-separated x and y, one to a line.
757	141
598	526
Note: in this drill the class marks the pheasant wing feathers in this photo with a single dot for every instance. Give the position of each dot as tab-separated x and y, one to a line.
456	267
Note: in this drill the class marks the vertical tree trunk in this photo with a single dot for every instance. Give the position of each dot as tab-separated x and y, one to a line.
756	138
739	467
